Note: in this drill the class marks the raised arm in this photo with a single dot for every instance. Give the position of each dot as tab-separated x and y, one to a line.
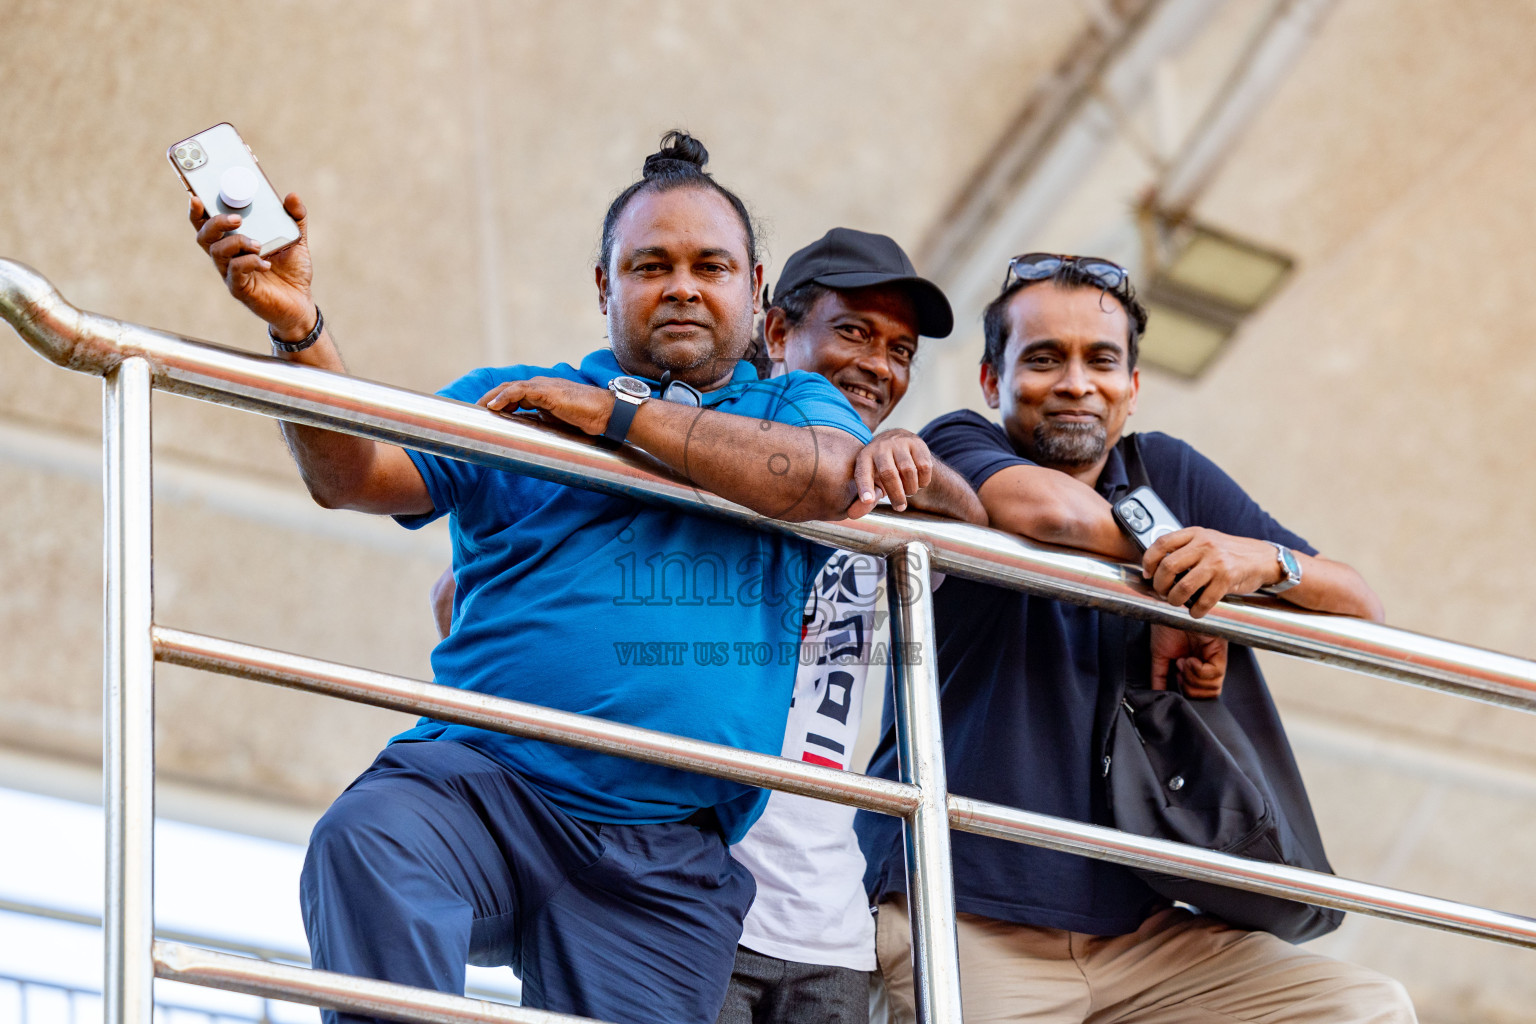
340	470
786	472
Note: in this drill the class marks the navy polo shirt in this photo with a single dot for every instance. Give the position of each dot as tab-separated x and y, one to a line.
628	611
1019	682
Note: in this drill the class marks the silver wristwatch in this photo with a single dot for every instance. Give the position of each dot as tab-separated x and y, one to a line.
628	395
1289	565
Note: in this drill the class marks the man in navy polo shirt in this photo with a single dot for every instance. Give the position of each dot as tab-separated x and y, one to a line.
1049	936
607	883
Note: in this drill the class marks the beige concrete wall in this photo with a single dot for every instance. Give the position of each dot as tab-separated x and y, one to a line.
457	158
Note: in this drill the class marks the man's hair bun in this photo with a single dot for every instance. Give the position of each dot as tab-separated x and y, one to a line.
679	163
679	152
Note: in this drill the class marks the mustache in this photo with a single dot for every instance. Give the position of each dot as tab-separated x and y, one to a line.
863	380
700	320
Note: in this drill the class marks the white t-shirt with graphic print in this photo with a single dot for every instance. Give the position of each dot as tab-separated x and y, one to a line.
811	906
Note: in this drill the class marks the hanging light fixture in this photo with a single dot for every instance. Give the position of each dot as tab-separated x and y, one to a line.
1201	284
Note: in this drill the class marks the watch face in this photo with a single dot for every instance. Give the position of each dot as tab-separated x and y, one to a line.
631	386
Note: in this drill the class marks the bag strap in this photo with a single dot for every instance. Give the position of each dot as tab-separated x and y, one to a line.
1135	470
1115	632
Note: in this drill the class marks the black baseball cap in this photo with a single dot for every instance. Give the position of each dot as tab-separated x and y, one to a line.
845	258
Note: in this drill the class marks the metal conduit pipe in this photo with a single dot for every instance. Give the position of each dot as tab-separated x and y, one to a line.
90	343
519	719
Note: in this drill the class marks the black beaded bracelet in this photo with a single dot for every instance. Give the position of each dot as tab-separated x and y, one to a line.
308	340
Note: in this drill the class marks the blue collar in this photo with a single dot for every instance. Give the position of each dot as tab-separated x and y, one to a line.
600	367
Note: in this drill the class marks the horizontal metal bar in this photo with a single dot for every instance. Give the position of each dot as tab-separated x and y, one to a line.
50	913
968	815
291	956
466	707
177	962
1314	887
94	921
90	343
305	394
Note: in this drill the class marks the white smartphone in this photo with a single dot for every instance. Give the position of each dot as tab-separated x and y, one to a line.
219	168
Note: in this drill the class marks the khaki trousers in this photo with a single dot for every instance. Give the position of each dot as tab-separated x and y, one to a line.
1177	968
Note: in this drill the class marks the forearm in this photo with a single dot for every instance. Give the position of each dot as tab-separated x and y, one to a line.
1329	586
1051	507
787	472
948	494
342	470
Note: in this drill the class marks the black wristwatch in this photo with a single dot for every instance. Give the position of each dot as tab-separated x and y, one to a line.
1289	565
629	393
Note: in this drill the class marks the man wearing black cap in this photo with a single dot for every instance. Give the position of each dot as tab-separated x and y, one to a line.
851	308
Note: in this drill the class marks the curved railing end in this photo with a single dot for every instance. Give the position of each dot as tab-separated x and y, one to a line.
56	330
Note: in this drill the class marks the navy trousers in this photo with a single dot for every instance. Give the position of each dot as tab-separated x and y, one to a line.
438	856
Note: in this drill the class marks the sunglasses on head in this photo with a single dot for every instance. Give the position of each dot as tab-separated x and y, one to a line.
1038	266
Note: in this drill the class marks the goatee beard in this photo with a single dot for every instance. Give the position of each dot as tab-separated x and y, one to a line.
1070	444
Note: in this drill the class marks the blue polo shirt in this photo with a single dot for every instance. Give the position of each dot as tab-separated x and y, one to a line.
1019	683
632	612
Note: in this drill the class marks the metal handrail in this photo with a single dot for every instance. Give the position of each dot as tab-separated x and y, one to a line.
467	707
517	718
175	961
90	343
134	359
245	950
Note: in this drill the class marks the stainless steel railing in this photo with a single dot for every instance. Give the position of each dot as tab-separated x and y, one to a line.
243	951
134	359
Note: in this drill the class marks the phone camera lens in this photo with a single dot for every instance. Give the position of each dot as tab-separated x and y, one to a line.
181	151
1135	515
187	164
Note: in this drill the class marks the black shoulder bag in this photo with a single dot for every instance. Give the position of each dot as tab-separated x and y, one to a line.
1217	774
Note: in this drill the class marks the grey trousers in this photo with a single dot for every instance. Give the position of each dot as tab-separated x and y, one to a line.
767	990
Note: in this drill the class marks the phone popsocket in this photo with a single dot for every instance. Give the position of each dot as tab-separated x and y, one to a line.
237	187
218	167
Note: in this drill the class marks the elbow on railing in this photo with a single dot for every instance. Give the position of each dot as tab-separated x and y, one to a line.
328	499
1048	519
831	492
332	489
330	494
827	505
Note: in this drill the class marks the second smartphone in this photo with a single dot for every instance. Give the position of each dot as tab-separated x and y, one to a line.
1144	517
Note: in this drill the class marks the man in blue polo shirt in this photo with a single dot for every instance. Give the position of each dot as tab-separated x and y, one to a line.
1049	936
605	882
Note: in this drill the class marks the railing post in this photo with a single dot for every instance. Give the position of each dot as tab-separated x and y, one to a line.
128	681
920	745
